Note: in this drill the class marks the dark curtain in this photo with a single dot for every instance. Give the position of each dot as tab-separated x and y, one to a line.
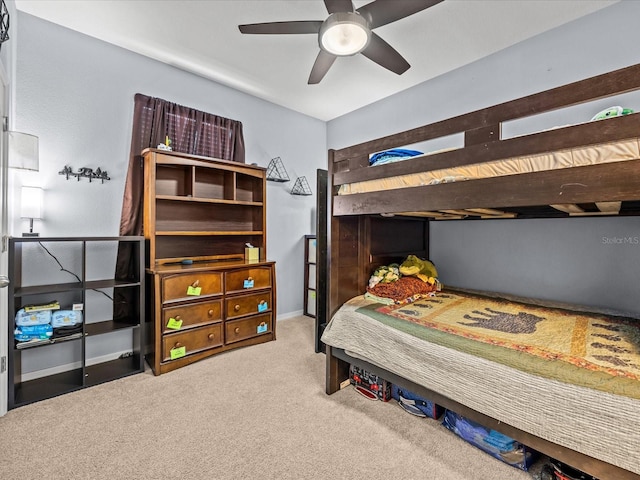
191	131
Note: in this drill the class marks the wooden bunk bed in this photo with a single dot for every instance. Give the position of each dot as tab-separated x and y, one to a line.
361	237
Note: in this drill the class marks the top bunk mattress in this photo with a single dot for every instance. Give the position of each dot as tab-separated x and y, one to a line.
617	151
570	377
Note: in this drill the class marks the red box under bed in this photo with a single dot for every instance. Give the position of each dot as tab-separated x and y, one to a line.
369	385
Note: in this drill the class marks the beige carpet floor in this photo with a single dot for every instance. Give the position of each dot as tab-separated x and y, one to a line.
254	413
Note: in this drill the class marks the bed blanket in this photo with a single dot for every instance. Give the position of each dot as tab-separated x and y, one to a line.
617	151
592	350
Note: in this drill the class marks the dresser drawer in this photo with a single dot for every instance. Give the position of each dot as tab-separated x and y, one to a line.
193	341
248	279
191	315
191	285
237	330
243	305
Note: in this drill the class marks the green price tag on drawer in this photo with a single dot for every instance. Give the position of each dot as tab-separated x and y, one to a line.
262	328
174	324
178	352
194	290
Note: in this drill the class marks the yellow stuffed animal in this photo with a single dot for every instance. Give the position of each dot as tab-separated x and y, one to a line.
423	269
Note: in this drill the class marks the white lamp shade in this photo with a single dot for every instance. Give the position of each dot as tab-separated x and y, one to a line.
344	33
344	39
31	204
23	151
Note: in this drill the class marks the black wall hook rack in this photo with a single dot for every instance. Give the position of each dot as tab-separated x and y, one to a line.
85	172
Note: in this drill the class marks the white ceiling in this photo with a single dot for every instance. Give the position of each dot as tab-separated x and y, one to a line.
202	37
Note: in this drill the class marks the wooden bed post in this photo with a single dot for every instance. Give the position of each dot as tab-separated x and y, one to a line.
337	371
342	243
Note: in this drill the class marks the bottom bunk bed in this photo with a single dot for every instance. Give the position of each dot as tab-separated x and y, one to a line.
559	379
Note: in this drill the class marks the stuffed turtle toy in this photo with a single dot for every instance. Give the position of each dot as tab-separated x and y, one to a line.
611	112
423	269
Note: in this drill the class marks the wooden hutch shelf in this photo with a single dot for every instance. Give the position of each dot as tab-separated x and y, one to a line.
203	297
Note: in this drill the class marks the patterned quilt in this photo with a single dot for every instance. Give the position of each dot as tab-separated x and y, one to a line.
591	350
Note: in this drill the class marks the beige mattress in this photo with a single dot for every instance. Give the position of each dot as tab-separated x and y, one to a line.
575	157
594	422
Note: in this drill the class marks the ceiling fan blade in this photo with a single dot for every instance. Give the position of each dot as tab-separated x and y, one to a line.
321	67
282	27
385	55
334	6
382	12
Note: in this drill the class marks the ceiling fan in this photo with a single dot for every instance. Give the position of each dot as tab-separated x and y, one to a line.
348	31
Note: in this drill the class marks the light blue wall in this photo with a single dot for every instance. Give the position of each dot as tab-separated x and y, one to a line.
577	260
76	94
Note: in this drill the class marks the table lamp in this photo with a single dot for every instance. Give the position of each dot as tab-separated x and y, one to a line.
31	207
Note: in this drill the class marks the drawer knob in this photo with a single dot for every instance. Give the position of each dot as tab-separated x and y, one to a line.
210	313
237	330
211	336
236	308
177	345
177	317
195	284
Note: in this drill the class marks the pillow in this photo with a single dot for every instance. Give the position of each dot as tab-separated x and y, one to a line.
393	155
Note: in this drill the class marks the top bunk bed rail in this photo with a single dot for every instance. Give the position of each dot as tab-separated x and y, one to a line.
483	142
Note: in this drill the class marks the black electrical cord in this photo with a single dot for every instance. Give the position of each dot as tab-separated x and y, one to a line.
70	272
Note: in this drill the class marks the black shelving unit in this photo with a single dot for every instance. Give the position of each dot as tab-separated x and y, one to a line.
310	275
40	269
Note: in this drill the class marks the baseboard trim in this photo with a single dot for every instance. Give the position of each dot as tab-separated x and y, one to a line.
25	377
289	315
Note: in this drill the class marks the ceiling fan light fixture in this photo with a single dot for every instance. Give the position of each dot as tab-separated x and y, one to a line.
344	34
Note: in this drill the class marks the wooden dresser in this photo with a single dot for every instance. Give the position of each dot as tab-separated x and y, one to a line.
203	297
